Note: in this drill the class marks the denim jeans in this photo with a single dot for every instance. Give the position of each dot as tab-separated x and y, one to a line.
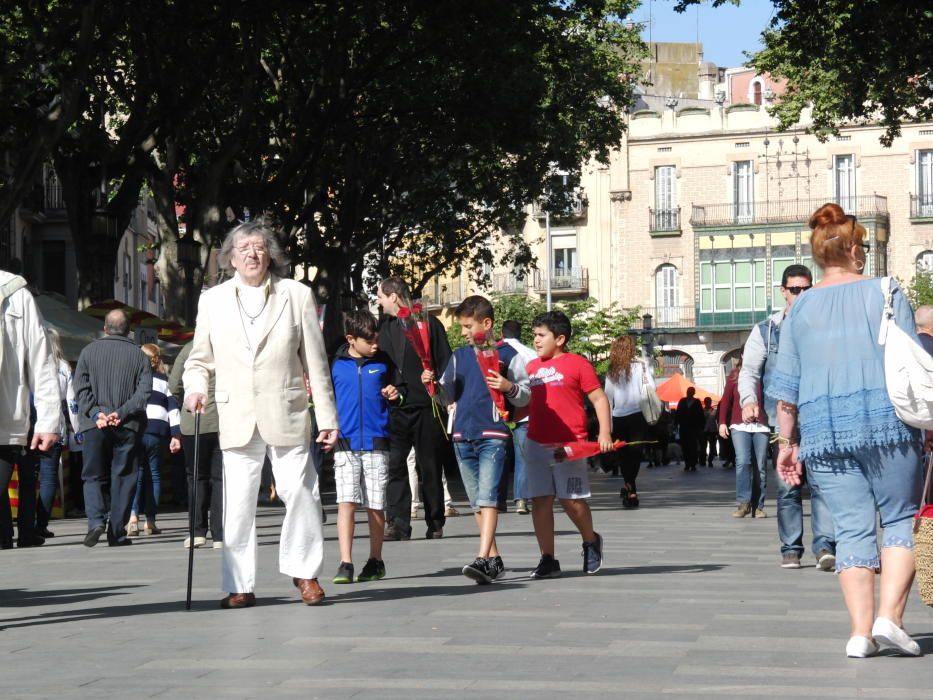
519	438
48	483
790	518
149	464
110	455
859	488
744	477
481	463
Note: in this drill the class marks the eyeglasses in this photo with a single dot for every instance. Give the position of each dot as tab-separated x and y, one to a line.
796	291
246	248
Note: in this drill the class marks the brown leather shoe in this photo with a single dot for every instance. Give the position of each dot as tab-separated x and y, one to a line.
238	600
311	591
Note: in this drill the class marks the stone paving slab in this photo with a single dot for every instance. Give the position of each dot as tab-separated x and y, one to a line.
691	604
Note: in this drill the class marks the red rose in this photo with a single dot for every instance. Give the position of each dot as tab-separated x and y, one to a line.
479	338
404	312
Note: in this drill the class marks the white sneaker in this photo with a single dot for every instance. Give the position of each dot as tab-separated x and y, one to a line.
218	544
861	648
890	636
198	542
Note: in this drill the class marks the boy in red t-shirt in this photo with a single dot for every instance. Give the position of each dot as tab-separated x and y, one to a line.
559	381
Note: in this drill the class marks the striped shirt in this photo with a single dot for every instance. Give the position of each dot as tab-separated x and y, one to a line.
162	409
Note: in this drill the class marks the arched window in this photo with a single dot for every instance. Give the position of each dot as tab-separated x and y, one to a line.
671	362
756	94
925	261
730	361
667	295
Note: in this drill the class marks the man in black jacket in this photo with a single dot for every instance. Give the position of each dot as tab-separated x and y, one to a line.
417	422
689	418
112	382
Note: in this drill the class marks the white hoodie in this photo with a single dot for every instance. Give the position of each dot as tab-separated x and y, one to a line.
26	365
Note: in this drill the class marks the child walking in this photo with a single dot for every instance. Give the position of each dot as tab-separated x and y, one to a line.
559	382
480	434
361	375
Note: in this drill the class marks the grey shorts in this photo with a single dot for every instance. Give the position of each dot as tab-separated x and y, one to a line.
361	477
567	480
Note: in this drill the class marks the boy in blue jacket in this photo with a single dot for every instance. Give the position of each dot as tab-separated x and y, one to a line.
479	432
361	375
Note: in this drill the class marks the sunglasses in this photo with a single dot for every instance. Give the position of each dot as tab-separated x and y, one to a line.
865	246
796	291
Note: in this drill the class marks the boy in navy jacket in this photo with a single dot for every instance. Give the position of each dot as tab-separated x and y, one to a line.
362	386
480	433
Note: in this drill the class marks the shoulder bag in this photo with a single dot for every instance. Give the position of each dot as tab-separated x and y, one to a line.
923	540
648	401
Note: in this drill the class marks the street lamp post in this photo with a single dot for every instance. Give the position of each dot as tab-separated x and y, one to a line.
189	257
550	255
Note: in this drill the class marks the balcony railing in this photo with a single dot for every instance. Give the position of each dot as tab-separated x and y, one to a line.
508	283
574	280
778	212
576	209
690	318
442	295
921	206
664	220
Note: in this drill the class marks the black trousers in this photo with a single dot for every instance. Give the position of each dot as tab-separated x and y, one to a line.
688	443
419	428
210	486
709	445
110	455
26	511
631	428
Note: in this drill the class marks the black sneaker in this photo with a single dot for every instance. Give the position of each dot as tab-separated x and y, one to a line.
374	570
496	568
93	535
548	567
344	573
478	571
593	555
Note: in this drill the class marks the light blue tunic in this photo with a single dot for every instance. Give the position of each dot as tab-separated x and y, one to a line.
831	367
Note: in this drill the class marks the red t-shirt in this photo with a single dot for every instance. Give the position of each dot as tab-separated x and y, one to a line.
558	386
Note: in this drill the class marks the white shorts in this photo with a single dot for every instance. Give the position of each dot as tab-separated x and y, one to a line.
361	477
545	477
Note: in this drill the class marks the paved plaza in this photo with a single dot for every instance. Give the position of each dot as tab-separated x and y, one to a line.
690	603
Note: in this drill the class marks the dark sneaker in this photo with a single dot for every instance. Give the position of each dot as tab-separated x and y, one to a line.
791	560
434	533
548	567
344	573
374	570
825	560
496	568
478	571
93	535
593	555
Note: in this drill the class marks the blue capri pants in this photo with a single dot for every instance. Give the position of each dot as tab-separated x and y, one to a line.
858	487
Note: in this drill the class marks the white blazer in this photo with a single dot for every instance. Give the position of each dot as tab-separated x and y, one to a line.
265	389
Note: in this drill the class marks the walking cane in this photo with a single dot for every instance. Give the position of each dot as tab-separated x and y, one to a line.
193	506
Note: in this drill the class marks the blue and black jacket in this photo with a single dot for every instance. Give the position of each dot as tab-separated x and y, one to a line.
475	416
361	408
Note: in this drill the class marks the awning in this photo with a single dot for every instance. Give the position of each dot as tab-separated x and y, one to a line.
675	388
166	331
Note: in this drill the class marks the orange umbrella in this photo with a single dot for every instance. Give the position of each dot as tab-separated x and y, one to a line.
675	388
166	330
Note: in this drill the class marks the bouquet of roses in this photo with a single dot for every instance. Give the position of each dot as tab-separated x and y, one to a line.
487	356
415	327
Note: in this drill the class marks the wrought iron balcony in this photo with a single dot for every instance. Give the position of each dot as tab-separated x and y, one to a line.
687	319
576	209
664	221
509	283
574	280
921	206
780	212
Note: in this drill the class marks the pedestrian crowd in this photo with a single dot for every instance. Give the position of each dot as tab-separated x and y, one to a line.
809	393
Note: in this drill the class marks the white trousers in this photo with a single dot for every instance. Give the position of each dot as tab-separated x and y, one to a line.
415	485
301	545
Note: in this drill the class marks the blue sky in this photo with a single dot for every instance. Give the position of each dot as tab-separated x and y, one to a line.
725	32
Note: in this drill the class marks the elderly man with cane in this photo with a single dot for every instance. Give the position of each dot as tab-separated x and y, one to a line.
258	334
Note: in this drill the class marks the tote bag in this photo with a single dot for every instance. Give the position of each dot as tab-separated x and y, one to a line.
648	400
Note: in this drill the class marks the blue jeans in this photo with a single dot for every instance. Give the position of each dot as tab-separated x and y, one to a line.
519	438
149	463
481	463
858	488
790	518
48	484
744	477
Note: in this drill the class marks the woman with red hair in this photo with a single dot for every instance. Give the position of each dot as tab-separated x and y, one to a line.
834	414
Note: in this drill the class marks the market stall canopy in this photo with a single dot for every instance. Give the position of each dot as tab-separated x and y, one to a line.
75	329
165	331
675	388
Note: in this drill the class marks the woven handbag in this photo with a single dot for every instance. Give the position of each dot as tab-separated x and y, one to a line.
923	540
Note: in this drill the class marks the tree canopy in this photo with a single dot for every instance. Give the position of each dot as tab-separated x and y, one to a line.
850	60
368	131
